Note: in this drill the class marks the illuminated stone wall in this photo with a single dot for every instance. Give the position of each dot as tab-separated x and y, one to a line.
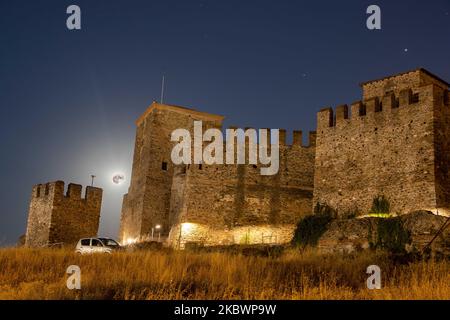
205	235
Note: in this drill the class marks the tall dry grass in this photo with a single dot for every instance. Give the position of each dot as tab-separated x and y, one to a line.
40	274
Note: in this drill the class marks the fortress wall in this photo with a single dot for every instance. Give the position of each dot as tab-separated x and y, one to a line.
379	148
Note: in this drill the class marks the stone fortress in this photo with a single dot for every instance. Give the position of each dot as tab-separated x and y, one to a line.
396	143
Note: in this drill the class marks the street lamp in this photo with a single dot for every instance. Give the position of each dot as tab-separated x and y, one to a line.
157	227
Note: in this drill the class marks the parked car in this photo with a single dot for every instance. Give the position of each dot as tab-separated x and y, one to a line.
97	245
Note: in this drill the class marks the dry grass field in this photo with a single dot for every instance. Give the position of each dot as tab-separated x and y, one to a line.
41	274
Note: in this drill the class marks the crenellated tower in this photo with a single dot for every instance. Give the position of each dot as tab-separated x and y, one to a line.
58	218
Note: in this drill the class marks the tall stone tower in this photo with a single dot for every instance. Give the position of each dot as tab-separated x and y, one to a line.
396	143
57	218
147	203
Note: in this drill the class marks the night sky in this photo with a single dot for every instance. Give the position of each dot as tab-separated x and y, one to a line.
69	99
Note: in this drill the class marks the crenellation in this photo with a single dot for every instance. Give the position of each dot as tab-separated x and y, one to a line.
389	101
372	105
325	118
297	138
312	139
74	191
37	191
341	113
282	137
358	109
93	195
405	97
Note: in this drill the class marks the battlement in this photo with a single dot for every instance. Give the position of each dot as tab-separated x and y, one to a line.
390	102
297	137
55	190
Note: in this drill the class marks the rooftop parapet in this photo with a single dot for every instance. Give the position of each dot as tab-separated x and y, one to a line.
199	115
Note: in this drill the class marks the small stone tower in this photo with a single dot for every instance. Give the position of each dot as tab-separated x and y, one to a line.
58	218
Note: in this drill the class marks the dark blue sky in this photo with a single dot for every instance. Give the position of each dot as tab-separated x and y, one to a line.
69	98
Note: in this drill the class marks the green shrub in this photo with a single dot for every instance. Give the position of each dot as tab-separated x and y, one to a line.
391	235
380	205
310	228
324	209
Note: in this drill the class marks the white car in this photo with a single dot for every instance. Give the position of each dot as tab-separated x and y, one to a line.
96	245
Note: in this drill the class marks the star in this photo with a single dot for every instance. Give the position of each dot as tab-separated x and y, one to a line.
406	50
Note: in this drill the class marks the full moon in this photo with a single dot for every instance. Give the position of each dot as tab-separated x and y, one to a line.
118	178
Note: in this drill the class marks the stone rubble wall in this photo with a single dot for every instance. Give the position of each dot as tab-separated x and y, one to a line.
349	235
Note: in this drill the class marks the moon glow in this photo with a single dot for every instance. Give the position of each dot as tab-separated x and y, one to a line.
118	178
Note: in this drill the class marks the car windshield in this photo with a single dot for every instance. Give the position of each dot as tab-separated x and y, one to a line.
109	242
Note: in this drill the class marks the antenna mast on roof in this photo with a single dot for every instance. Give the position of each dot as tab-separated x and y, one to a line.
162	89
